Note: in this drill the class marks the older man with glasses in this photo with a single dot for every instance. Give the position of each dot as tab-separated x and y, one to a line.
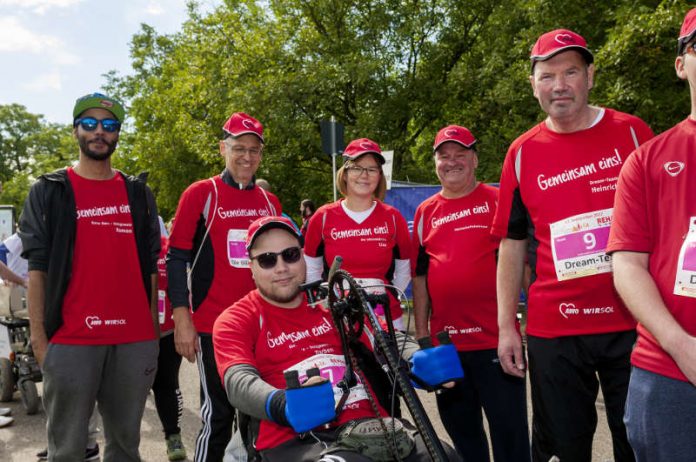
209	234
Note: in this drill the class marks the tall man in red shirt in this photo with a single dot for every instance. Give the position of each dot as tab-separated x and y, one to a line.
653	240
91	236
556	196
452	244
209	234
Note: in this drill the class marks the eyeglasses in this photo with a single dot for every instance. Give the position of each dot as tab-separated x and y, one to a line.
690	48
268	260
90	124
240	151
358	171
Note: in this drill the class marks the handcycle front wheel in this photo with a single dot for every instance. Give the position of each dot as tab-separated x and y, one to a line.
346	301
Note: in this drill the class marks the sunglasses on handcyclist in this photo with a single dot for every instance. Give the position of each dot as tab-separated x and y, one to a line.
90	124
268	260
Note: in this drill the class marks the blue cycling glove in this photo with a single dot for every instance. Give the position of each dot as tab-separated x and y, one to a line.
302	408
437	365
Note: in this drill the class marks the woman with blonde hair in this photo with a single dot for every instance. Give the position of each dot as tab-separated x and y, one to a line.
371	236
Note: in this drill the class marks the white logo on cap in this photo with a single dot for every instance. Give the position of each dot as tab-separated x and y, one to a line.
365	145
564	39
674	168
451	132
248	123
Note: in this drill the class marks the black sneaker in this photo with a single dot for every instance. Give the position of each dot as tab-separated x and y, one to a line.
90	454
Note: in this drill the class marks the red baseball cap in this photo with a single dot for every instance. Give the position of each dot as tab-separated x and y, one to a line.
262	225
240	124
558	41
688	30
360	147
455	133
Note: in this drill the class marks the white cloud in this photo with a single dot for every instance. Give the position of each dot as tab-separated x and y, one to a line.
15	38
51	81
154	8
39	6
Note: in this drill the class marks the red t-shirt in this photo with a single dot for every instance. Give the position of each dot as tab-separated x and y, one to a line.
655	212
105	302
558	190
275	340
454	235
231	211
368	248
164	306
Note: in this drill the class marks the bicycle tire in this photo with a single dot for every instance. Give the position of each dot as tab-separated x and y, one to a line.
420	419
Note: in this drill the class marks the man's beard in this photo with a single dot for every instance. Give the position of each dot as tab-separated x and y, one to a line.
84	147
278	298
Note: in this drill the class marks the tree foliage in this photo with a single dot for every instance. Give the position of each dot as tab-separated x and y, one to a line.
392	70
29	146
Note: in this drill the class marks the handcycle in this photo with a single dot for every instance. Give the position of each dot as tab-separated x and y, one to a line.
351	307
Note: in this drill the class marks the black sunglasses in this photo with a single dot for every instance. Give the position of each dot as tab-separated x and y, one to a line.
268	260
90	124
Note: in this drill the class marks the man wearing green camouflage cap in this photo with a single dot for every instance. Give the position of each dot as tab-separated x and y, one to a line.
94	324
98	100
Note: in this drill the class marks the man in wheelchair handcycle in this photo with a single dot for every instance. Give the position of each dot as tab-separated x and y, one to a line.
284	362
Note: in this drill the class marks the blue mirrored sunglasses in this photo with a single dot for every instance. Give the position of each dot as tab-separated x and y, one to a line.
90	124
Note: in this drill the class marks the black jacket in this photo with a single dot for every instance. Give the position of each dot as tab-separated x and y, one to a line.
48	225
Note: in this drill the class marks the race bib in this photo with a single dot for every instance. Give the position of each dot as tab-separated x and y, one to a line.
372	286
578	245
685	281
161	297
332	368
236	248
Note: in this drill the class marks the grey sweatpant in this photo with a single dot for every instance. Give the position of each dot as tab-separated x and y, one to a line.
117	377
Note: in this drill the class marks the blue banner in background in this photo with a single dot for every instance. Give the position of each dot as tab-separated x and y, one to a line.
407	197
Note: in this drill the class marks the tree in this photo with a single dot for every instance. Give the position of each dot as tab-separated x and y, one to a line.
394	71
29	146
17	129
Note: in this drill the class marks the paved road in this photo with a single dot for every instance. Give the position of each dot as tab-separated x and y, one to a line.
21	441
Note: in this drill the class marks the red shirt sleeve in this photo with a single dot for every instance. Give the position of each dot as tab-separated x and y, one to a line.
416	247
630	229
509	188
403	242
276	203
188	212
234	335
643	131
314	229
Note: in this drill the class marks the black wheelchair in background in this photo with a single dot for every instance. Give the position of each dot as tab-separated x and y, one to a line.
19	370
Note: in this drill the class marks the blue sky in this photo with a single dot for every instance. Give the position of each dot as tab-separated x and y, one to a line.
53	51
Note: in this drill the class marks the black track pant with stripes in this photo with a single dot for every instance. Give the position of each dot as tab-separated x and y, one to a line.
217	414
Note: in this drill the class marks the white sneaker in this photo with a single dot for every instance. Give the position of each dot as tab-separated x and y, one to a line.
5	421
4	411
